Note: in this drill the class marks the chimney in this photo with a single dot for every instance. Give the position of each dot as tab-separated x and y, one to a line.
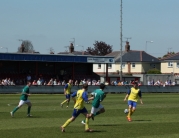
22	48
127	47
71	48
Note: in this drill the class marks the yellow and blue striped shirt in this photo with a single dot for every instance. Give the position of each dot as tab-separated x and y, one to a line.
134	93
68	88
81	96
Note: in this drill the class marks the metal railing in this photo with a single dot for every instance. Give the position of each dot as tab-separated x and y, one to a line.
109	89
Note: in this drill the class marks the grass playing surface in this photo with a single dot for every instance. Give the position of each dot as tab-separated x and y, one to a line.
158	117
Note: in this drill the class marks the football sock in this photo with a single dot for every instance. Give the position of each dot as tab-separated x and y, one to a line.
28	110
93	116
129	114
67	103
132	112
64	102
67	123
15	109
87	124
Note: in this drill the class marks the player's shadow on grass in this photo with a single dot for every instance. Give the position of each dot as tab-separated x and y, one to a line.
97	131
35	117
141	120
108	125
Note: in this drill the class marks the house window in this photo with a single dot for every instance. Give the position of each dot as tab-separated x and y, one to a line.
170	64
99	66
133	65
109	66
177	64
153	65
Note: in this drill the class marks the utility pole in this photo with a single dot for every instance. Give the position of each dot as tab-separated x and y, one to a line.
121	45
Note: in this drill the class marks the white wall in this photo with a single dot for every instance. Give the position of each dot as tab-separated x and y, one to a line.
103	68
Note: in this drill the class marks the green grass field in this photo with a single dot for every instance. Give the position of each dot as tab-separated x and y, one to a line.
158	117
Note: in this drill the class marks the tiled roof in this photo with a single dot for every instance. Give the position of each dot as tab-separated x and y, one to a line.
133	56
75	53
171	57
114	54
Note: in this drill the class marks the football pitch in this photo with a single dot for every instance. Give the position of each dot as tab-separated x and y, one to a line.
158	117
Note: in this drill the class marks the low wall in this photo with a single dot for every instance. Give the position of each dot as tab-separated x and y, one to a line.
59	89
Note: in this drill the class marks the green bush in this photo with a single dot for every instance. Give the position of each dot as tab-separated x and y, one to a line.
153	71
128	74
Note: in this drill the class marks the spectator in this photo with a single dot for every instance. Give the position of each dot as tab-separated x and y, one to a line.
112	83
153	82
76	82
89	82
45	83
119	83
50	82
173	83
28	77
170	82
39	82
59	83
84	81
115	83
166	82
81	82
140	83
157	82
12	82
130	83
9	81
34	82
149	82
42	80
55	82
106	83
98	82
63	83
93	82
5	82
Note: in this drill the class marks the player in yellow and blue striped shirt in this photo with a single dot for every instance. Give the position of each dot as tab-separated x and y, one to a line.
132	96
79	108
67	92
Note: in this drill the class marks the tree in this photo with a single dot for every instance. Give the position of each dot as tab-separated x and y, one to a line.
51	51
26	47
100	49
153	71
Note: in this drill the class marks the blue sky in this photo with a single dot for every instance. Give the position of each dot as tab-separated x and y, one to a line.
54	23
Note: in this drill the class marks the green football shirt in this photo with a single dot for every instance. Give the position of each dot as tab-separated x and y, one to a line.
24	91
98	97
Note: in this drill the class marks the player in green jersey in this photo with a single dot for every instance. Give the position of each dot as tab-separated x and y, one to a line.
24	100
98	96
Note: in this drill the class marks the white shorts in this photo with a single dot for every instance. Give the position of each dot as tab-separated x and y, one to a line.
95	110
23	102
